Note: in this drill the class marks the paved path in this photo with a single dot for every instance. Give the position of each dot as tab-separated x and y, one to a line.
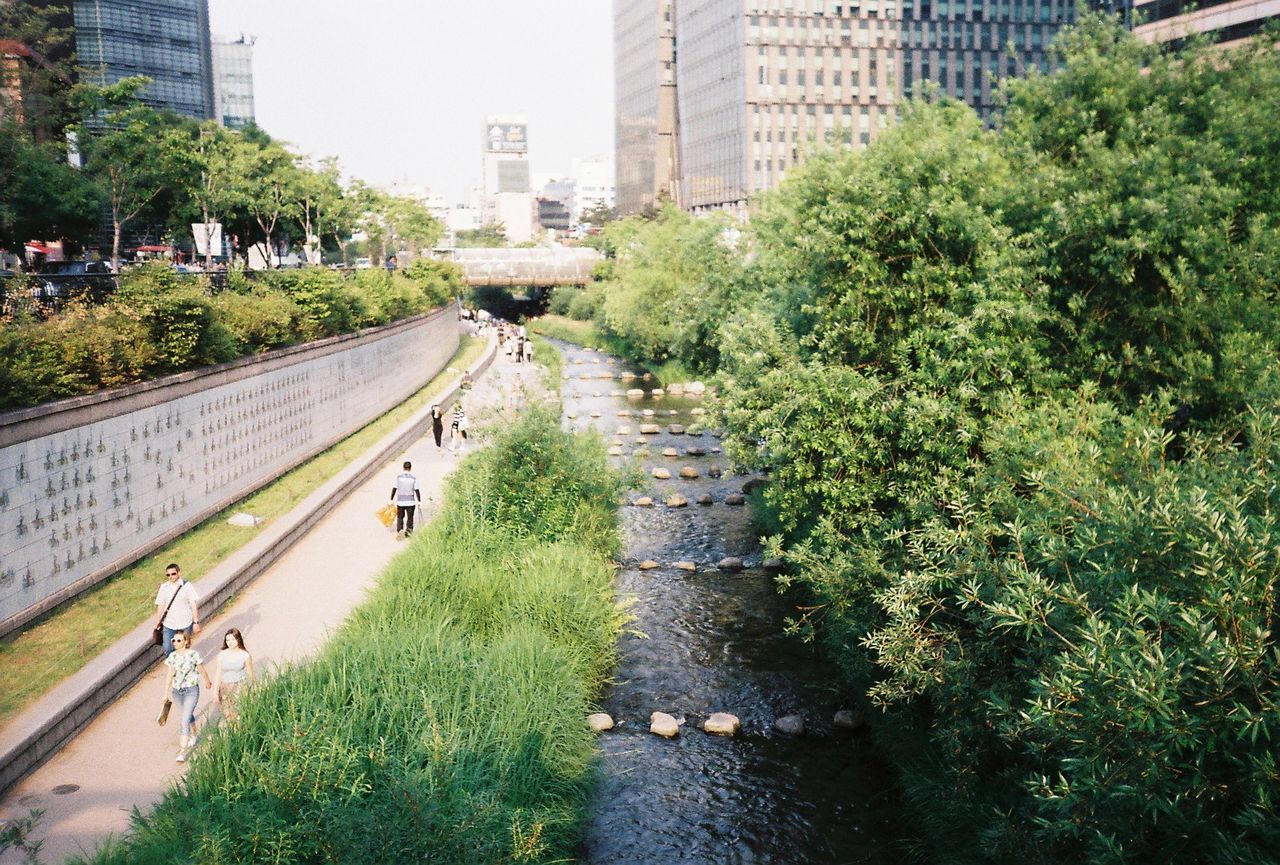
124	760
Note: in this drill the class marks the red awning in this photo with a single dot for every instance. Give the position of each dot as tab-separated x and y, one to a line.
155	248
35	246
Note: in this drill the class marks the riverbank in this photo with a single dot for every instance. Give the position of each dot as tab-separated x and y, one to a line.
445	720
35	662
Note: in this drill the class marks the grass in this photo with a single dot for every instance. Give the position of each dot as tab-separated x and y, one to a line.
57	646
445	722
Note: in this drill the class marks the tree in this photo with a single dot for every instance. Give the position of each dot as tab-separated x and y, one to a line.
217	182
134	153
492	235
41	196
272	187
316	203
409	222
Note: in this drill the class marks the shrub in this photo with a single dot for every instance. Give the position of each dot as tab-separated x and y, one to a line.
177	317
328	305
259	320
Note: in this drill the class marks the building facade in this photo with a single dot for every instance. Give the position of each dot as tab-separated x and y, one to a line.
594	185
760	82
233	81
645	123
1225	22
165	40
505	170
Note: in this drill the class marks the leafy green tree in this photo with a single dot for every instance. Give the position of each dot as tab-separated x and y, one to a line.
41	196
492	235
217	186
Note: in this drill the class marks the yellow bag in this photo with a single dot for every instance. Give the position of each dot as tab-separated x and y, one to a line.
387	513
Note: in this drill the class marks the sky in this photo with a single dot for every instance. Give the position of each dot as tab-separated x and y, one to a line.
398	89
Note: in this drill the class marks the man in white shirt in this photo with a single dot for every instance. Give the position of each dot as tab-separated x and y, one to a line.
406	495
179	606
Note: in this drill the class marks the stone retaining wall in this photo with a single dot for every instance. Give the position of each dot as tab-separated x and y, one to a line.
91	484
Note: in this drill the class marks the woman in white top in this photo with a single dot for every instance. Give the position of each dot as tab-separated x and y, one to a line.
235	670
182	685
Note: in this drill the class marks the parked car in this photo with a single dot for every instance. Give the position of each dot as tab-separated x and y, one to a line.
74	268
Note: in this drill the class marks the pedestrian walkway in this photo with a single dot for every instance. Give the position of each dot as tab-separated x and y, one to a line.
123	760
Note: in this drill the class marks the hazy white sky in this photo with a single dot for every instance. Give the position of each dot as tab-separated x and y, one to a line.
399	89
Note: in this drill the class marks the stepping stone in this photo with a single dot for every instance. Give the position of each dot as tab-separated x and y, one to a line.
599	722
635	393
624	412
641	440
714	472
675	389
688	472
695	452
617	442
640	452
573	415
677	502
647	376
657	392
643	502
615	451
662	724
673	413
705	499
676	429
661	473
595	414
848	719
735	499
686	566
624	430
670	452
647	412
647	565
732	564
715	450
650	429
789	725
722	724
626	375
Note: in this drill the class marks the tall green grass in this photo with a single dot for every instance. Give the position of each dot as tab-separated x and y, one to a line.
445	722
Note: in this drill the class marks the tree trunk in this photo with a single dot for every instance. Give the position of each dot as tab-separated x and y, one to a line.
115	244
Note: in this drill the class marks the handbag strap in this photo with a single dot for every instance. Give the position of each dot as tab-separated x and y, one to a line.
171	600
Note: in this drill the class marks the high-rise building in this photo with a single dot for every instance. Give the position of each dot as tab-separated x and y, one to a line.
1226	22
233	80
758	81
644	38
593	185
165	40
507	195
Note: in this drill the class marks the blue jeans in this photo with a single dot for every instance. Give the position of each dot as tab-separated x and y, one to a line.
168	637
186	700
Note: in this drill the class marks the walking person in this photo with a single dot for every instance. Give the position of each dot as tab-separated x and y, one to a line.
179	606
437	424
233	673
406	494
182	686
458	431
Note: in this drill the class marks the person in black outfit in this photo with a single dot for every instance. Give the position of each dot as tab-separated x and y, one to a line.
437	423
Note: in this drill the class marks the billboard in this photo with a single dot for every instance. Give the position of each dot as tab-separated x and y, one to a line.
506	138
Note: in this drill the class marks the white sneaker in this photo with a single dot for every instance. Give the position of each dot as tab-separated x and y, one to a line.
181	758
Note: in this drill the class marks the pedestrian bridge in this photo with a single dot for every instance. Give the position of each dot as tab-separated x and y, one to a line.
540	267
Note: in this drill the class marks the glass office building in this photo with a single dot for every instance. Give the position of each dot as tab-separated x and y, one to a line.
233	81
165	40
760	82
1225	22
644	102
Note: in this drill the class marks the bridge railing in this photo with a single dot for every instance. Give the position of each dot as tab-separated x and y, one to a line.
535	267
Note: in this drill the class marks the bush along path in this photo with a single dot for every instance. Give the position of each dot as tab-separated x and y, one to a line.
445	721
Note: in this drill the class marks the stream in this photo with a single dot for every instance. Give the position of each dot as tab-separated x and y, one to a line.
713	641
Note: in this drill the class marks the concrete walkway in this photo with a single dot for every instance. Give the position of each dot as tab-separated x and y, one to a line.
123	760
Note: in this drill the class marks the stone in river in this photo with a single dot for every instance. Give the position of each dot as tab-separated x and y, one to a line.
732	564
696	452
624	430
615	451
573	415
714	472
662	724
688	472
656	392
635	393
647	376
735	499
705	499
595	414
647	565
673	413
848	719
676	429
650	429
643	502
599	722
695	387
617	442
686	566
648	412
640	452
660	473
670	452
677	502
624	412
641	440
722	724
715	450
675	389
626	375
789	725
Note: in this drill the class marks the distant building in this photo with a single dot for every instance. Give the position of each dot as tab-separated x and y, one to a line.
507	196
594	185
1225	23
165	40
759	80
554	214
233	80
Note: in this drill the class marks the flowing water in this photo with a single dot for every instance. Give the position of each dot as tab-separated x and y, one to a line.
711	641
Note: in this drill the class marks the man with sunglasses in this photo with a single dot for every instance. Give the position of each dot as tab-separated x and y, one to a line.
179	606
